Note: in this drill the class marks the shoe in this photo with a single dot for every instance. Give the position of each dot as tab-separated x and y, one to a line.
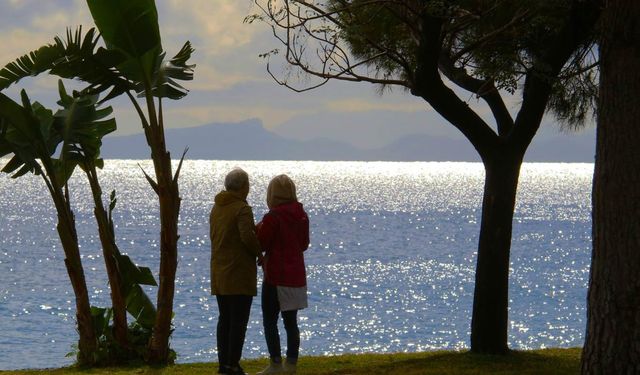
223	369
289	367
273	368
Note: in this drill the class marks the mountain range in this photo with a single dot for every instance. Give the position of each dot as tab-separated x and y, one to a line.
249	140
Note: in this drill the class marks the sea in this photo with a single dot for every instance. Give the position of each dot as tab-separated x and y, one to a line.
390	267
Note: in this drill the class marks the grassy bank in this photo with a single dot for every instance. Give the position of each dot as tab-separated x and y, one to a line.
548	361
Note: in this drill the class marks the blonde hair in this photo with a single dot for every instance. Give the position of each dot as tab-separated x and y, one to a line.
281	190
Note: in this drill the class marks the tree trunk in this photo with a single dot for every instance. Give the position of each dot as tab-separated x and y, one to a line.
169	197
109	252
612	343
489	323
87	345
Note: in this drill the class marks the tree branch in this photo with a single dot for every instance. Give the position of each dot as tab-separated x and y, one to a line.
335	61
430	87
540	79
490	36
482	88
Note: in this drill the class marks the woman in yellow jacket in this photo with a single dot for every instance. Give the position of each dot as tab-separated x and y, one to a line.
234	252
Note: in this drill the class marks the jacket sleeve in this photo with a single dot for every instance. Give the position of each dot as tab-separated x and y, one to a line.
267	231
247	229
305	233
211	229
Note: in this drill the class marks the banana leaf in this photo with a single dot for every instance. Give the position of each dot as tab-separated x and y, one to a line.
140	306
77	56
82	125
131	28
27	134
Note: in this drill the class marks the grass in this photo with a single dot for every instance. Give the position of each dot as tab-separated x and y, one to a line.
546	361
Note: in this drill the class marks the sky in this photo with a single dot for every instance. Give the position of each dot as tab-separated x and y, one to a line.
231	83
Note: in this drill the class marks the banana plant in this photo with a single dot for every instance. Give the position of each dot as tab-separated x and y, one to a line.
132	62
82	126
27	132
130	30
77	130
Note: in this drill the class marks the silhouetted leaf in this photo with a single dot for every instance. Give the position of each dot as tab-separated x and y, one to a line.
26	133
82	126
131	28
132	274
140	306
175	69
76	57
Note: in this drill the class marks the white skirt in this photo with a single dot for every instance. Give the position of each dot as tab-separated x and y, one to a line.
292	298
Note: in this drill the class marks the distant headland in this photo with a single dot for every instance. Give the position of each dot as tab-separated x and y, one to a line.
249	140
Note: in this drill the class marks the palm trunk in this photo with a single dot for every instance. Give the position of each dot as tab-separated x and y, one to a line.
87	344
109	252
490	303
169	197
168	193
612	344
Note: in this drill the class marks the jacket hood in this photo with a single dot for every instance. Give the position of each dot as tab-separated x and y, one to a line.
281	190
225	197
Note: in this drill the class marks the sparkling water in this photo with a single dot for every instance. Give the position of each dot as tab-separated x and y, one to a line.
390	267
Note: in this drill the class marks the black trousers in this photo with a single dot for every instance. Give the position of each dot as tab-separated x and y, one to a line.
232	326
270	311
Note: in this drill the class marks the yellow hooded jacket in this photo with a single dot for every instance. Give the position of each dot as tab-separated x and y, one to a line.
234	246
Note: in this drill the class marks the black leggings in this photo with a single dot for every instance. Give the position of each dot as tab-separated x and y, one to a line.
232	327
270	310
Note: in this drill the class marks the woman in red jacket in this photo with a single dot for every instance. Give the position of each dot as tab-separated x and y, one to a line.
284	236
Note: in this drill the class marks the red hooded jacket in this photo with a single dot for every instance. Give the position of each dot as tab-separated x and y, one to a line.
284	236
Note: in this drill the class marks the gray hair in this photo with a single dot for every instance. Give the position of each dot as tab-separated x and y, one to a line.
236	179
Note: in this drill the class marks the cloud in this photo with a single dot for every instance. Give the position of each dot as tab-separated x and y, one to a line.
226	49
217	24
31	24
210	78
17	42
223	42
57	21
16	3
